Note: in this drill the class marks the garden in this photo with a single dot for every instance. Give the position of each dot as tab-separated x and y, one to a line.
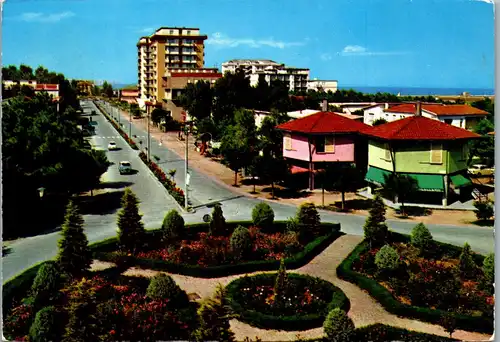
418	277
220	248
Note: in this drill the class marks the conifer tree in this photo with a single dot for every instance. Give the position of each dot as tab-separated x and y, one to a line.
280	283
218	222
74	256
466	265
130	227
375	229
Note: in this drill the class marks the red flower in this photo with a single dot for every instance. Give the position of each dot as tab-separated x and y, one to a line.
112	332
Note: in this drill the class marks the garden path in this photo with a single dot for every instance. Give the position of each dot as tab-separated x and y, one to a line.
364	309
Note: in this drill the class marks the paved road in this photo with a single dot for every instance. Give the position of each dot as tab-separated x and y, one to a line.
155	202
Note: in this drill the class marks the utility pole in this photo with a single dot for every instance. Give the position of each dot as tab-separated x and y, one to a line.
149	134
186	173
130	125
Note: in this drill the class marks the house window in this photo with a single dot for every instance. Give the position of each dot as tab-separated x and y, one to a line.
436	153
330	144
320	144
287	142
387	151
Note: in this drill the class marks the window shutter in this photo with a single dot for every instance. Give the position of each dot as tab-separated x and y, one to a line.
330	144
287	141
437	153
387	152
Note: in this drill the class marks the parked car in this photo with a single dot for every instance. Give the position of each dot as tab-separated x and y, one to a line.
112	146
481	170
125	167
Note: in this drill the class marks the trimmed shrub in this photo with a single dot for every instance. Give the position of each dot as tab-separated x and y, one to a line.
484	210
338	326
241	242
46	285
163	286
308	215
45	327
375	229
280	284
263	216
173	225
292	225
382	332
466	265
218	225
421	237
387	259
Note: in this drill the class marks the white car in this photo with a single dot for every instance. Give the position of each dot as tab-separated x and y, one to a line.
125	167
481	170
112	146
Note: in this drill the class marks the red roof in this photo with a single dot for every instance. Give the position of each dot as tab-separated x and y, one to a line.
324	123
419	128
47	87
196	74
438	109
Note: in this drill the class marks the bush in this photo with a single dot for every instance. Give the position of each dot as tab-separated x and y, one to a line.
48	281
263	216
46	326
308	215
484	210
489	272
421	237
466	265
338	326
382	332
163	286
375	229
292	225
387	259
241	242
173	226
218	222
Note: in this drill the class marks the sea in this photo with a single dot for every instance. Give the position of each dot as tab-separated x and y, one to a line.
414	91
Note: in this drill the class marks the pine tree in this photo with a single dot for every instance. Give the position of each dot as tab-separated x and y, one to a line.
280	283
218	222
74	256
214	316
466	265
375	229
131	229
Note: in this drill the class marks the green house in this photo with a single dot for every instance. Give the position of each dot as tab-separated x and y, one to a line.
432	152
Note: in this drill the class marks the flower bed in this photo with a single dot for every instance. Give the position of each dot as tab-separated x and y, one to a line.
117	310
422	288
201	255
305	304
176	192
118	128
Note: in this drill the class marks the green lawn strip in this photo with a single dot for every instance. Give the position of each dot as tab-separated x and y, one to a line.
382	295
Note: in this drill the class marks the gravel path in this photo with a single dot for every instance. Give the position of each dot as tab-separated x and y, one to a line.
364	309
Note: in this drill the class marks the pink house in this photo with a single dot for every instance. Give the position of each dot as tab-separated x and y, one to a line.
324	137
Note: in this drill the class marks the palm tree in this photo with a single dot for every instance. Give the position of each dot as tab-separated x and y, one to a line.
401	187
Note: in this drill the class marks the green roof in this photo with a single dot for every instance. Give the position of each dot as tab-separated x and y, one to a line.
459	181
425	182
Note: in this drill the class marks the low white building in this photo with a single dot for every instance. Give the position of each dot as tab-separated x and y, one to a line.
51	89
296	78
458	115
323	85
298	114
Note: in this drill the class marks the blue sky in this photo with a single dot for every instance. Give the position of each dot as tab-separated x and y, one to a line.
419	43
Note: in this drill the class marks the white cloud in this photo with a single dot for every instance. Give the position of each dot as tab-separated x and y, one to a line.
325	56
39	17
357	50
222	40
486	1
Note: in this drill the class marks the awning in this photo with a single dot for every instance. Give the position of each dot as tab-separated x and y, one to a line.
428	182
424	182
376	175
459	181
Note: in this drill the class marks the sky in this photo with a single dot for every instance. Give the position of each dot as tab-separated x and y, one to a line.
380	43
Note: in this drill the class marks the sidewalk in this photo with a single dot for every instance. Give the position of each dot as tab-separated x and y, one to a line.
364	309
224	176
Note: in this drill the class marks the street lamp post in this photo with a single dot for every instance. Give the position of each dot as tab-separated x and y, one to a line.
186	173
149	134
130	124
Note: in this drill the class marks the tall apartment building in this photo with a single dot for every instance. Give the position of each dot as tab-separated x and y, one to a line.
167	48
295	78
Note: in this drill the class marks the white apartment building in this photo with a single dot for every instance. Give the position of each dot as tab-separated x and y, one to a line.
296	78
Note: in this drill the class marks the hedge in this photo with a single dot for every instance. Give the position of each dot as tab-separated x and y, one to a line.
290	323
311	250
118	128
382	295
382	332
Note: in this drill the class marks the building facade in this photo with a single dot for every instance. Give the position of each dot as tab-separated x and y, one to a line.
174	82
167	48
129	95
323	85
295	78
